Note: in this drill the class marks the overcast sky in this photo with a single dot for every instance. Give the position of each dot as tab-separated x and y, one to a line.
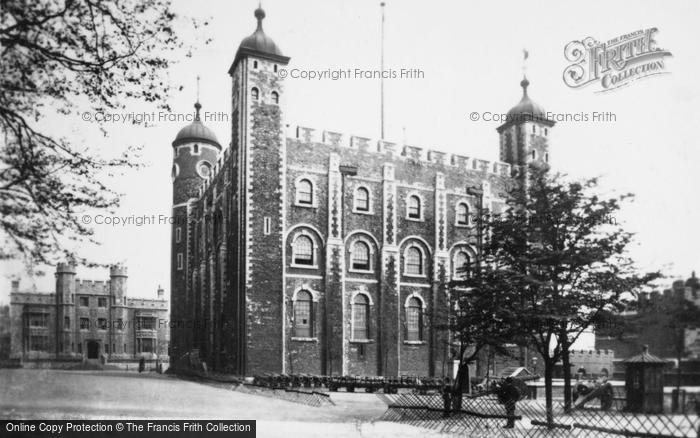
470	54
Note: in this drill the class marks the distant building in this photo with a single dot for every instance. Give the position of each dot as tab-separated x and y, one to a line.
88	320
661	342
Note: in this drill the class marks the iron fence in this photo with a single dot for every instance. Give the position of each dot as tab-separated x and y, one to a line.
486	417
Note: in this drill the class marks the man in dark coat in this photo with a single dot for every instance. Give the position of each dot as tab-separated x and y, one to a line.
446	398
508	395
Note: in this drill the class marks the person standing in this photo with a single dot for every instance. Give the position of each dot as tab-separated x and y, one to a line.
508	395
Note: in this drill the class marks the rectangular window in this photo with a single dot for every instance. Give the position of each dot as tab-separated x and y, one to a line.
39	343
145	345
267	226
179	261
102	323
178	234
66	322
107	348
40	320
145	323
80	347
102	302
84	301
84	323
120	324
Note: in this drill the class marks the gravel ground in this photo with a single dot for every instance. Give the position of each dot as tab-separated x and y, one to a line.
58	394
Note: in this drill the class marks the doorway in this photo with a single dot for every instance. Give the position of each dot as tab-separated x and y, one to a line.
93	350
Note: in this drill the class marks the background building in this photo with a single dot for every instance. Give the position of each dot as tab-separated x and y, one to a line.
87	320
322	252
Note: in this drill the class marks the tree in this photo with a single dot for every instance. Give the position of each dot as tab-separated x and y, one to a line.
55	55
481	310
561	254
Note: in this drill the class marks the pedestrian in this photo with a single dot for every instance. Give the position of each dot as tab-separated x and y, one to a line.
142	365
446	398
508	395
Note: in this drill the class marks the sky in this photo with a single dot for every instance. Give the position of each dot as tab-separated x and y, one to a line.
471	58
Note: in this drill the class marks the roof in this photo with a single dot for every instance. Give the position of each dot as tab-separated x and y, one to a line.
526	110
645	357
196	132
259	44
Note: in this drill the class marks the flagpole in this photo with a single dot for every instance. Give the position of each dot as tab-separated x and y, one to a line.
381	79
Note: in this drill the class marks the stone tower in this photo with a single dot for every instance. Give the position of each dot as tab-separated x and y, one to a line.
524	135
65	295
258	168
195	152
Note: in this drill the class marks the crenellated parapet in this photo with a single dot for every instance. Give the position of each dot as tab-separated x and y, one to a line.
407	152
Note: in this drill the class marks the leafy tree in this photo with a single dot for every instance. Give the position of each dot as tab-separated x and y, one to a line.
481	310
563	264
56	55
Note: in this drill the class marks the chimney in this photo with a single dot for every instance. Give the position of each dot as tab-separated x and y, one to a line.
15	286
161	292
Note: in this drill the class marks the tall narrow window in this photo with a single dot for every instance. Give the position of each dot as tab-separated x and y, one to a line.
305	192
179	261
275	98
462	214
267	225
414	261
362	199
66	322
255	64
534	154
303	315
462	265
303	251
360	256
414	207
255	93
178	234
414	317
360	317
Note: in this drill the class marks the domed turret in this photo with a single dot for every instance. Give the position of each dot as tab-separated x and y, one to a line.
196	132
259	44
526	109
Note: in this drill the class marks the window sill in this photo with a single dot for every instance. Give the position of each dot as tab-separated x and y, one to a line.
365	212
299	204
294	265
414	342
361	271
304	339
457	225
362	341
414	275
415	219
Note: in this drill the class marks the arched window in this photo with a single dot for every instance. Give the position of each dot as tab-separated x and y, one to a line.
303	251
414	261
275	97
462	264
534	128
360	317
305	192
534	154
303	315
462	214
414	320
255	64
414	207
196	149
546	157
360	256
274	67
362	199
255	93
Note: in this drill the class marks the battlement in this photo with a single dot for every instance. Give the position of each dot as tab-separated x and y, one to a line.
576	354
408	152
91	286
